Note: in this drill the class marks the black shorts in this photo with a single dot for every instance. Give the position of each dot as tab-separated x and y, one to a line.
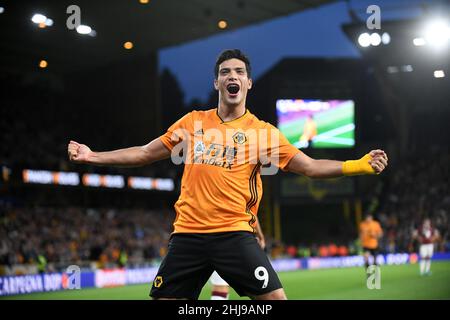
191	259
372	252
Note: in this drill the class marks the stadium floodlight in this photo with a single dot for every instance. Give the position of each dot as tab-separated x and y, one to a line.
128	45
2	10
83	29
437	33
38	18
222	24
364	40
439	74
43	64
392	69
419	42
386	38
407	68
375	39
41	20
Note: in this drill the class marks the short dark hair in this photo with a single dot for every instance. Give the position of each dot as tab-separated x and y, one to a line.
232	54
368	214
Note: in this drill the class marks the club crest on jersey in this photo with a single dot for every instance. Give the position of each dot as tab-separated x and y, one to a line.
239	138
199	147
158	281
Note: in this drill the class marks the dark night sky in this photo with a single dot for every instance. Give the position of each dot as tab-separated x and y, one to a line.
311	33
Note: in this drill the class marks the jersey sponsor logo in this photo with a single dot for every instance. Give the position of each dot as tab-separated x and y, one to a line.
251	146
199	147
215	154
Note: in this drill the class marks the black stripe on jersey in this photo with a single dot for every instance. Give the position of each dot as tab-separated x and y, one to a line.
255	188
254	196
252	190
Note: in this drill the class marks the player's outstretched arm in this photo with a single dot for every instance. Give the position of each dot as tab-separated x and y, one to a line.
372	163
128	157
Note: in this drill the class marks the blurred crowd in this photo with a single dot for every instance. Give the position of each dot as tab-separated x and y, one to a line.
53	238
417	190
35	138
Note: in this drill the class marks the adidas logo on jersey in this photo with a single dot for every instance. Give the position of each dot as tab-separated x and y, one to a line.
199	132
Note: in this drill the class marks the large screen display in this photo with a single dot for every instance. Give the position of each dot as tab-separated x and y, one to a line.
317	123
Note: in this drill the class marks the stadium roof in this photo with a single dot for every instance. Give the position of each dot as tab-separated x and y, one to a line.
152	26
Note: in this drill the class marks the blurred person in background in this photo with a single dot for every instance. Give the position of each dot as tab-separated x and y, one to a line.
427	236
309	132
370	232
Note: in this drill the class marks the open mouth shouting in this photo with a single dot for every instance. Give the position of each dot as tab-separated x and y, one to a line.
233	89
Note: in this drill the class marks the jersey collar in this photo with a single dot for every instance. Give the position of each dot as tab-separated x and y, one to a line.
246	113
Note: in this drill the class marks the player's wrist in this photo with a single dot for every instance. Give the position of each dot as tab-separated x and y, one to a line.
357	167
92	158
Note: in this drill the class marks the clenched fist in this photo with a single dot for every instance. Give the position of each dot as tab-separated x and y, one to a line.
378	161
78	153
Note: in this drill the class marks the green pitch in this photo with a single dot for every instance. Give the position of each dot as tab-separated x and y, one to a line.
397	282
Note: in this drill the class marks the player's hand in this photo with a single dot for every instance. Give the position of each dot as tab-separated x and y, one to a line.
261	242
378	161
78	153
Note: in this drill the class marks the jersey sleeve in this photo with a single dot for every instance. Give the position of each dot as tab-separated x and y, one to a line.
281	150
177	132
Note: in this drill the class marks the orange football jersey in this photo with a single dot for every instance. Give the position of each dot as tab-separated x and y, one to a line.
221	186
369	234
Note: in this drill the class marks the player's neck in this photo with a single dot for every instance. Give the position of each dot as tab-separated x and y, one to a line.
230	113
